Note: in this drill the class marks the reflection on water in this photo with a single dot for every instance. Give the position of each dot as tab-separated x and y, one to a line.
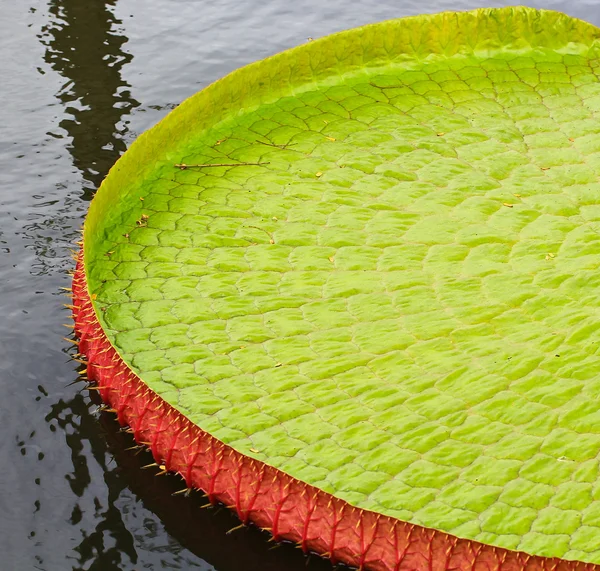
93	552
85	45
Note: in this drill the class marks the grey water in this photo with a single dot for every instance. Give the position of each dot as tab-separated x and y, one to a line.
79	81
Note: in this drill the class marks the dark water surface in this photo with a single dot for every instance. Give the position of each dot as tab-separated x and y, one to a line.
79	80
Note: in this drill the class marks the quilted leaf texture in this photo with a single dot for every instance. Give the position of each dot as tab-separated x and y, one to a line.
351	291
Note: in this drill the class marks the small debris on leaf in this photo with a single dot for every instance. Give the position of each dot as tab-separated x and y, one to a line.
143	220
183	166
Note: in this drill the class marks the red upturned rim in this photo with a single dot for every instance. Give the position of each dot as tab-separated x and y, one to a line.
269	498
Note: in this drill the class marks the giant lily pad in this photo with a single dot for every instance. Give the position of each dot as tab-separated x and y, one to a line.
370	265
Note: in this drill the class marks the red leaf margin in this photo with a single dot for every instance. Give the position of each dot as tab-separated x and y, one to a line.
288	508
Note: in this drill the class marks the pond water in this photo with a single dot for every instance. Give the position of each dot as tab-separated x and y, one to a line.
78	82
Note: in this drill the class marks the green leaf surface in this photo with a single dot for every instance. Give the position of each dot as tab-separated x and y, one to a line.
398	300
